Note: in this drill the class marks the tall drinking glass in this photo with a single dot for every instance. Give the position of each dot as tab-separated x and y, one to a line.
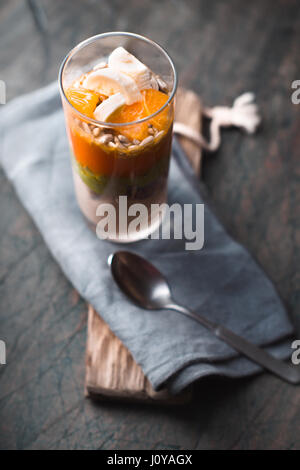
103	171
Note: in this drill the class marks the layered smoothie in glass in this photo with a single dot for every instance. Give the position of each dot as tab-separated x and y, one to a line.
118	97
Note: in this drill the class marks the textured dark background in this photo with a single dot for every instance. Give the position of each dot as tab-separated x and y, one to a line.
220	49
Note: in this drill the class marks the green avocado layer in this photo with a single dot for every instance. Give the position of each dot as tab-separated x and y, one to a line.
97	183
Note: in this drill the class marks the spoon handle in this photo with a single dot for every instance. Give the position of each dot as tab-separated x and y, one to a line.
283	370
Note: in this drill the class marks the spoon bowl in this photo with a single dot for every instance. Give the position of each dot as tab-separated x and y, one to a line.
140	280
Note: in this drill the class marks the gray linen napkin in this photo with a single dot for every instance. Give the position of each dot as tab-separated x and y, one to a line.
221	281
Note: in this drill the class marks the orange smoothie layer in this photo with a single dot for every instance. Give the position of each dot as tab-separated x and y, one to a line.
108	160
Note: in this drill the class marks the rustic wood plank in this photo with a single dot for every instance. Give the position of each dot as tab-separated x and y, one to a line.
111	371
188	111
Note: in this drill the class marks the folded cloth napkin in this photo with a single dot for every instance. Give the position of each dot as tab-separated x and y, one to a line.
220	281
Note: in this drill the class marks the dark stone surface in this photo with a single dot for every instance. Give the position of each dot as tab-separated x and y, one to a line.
221	49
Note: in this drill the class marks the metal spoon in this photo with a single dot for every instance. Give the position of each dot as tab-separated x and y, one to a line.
148	288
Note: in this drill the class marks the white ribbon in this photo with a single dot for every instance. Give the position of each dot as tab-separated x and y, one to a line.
243	114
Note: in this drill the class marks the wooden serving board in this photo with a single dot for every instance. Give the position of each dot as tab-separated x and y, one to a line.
111	371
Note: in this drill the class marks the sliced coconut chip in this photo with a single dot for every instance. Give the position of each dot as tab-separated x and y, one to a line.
110	82
108	107
122	61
